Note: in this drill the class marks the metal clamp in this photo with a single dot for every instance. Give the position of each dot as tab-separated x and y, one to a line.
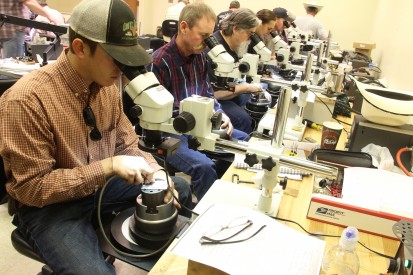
236	177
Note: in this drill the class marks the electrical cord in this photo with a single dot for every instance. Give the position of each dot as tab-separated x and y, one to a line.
162	248
350	109
332	115
332	236
171	190
399	162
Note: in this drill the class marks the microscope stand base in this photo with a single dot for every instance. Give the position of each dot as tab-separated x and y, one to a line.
290	131
274	202
116	233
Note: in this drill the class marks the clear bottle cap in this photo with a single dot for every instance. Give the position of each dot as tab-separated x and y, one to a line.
349	238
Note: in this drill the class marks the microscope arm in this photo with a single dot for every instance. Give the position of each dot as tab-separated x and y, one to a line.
272	158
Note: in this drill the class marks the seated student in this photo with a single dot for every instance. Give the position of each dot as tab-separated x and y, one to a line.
181	66
267	18
64	133
282	16
234	35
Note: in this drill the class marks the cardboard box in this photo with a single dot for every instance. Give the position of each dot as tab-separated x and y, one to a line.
364	48
330	210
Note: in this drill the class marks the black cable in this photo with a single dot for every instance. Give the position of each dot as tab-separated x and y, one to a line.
373	82
162	248
332	115
332	236
349	124
348	108
173	195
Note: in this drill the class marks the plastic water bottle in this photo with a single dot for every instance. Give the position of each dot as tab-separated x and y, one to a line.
342	258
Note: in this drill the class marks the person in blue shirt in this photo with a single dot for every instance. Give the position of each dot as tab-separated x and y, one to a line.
234	5
181	66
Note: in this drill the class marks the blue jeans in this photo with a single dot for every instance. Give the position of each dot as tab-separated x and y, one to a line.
234	109
14	46
203	170
64	234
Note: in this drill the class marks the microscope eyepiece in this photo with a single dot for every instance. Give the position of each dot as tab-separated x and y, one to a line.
255	39
273	34
130	72
211	42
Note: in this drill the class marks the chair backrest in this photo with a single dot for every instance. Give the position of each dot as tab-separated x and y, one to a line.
156	43
169	27
6	83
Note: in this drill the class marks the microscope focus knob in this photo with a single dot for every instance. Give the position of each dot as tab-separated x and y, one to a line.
294	86
216	120
214	65
251	159
280	58
244	67
184	122
303	88
268	163
135	111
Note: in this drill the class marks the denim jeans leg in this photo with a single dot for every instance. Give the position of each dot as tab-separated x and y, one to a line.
240	135
14	46
240	119
63	236
194	163
185	196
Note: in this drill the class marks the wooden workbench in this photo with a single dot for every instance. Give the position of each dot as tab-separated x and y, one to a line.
295	208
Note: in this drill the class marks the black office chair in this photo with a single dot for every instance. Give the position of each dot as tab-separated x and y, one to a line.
17	239
24	248
169	27
6	82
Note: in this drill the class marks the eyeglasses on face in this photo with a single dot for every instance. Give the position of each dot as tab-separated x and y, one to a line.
90	120
249	33
224	234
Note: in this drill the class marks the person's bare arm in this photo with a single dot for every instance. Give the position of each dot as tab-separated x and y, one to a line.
34	6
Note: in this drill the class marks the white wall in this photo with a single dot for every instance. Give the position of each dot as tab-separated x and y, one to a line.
393	35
